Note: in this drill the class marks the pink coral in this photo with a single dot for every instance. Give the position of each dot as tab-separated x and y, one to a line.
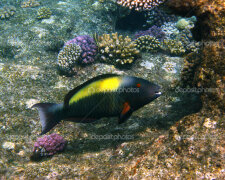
48	145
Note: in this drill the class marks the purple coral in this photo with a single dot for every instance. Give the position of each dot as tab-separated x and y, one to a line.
48	146
88	47
152	31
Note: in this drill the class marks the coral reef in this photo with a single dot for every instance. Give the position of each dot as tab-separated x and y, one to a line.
148	43
179	136
173	47
140	5
88	47
152	31
184	36
68	57
210	15
170	30
29	3
191	63
48	146
158	17
210	25
7	11
117	50
44	13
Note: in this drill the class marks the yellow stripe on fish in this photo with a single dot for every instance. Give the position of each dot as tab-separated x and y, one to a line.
100	86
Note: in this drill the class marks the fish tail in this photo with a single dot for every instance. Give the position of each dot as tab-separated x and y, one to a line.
50	115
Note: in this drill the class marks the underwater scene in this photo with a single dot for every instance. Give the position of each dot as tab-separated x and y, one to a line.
112	89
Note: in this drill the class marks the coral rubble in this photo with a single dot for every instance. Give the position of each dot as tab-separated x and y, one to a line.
117	50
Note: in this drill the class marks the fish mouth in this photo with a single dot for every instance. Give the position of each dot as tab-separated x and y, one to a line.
158	93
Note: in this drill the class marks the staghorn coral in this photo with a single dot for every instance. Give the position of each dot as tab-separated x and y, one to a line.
88	47
7	11
140	5
30	3
173	47
152	31
148	43
117	50
44	13
69	56
48	146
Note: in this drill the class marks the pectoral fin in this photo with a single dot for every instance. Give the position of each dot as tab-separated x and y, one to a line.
126	113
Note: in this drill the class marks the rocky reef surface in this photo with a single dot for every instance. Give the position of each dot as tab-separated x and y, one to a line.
180	135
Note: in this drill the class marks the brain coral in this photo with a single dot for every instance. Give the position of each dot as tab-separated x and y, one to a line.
117	50
140	5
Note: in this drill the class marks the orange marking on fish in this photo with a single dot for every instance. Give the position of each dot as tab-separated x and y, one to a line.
126	108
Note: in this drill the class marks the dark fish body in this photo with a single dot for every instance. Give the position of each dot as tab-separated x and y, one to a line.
106	95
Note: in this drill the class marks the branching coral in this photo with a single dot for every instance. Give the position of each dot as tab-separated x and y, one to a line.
140	5
7	11
68	56
30	3
44	13
152	31
88	47
117	50
148	43
173	47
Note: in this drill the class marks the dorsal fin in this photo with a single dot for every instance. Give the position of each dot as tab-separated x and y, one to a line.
76	89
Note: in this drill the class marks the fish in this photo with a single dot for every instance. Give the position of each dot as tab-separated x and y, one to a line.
107	95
